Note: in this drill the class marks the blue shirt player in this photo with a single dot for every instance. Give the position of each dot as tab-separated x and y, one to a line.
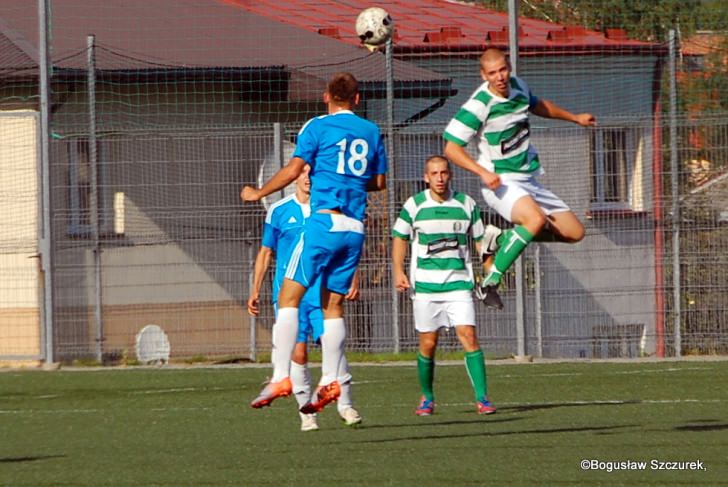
347	158
283	223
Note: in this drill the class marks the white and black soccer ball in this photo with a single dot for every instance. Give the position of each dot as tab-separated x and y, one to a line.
374	26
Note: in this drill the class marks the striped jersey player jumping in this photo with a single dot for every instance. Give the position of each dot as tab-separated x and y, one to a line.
496	115
439	223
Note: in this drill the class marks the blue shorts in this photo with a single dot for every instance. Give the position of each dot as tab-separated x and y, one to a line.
329	248
310	320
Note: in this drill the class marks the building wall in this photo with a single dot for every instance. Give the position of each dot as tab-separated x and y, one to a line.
19	264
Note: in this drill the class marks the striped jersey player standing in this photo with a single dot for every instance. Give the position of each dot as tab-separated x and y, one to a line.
496	116
439	223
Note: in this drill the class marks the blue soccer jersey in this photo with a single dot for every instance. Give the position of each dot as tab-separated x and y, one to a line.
283	224
345	152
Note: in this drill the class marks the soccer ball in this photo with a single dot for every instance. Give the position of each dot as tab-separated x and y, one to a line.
374	26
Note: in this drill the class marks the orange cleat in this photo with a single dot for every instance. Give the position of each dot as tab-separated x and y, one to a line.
272	391
324	395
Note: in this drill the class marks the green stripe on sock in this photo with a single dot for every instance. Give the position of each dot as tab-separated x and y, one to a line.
426	375
475	365
512	243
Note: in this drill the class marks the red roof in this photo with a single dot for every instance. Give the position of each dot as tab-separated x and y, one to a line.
442	25
187	35
703	43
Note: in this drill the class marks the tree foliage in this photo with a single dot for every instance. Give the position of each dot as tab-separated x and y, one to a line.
648	20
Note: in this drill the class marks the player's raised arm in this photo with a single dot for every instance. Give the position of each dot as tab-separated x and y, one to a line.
460	157
548	109
285	176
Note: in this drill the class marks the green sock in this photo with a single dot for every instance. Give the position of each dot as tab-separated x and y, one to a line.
426	374
511	243
475	365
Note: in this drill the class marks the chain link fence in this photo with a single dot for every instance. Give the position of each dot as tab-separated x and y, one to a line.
160	111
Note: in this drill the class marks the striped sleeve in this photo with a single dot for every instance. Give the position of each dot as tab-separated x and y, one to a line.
468	120
403	226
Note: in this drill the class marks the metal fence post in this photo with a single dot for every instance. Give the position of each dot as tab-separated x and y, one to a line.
278	152
46	237
94	203
253	322
521	338
537	299
675	187
391	195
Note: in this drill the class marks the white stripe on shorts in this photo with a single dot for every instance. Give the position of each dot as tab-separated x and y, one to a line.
295	258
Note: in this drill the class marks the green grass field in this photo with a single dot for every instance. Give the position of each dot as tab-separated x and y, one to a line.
146	427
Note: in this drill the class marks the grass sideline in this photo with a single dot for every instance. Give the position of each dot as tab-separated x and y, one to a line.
170	427
314	356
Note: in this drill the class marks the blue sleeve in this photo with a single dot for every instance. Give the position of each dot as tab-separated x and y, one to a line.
532	100
306	144
270	236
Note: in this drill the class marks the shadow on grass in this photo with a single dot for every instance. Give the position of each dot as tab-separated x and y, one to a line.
554	405
430	437
702	427
428	422
29	459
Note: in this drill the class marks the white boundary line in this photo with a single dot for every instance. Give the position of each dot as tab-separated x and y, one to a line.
608	402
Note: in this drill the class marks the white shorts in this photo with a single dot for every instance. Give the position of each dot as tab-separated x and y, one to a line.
433	315
505	196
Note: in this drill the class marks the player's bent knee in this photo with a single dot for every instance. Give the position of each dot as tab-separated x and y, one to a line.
575	234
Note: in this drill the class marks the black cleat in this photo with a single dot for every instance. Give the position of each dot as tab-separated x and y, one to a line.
489	296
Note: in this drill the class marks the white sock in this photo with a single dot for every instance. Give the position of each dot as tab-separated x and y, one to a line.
284	334
301	379
344	379
332	350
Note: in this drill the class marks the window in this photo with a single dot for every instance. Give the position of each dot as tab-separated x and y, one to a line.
694	64
80	185
612	155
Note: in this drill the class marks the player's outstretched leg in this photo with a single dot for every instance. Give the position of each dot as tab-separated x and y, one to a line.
511	244
345	404
272	391
284	334
301	380
324	395
332	351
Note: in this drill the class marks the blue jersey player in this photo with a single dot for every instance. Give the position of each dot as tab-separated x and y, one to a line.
347	159
283	223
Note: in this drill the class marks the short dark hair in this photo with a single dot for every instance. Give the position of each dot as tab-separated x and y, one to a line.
437	157
343	87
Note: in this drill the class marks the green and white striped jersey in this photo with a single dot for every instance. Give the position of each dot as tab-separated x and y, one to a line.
501	126
440	259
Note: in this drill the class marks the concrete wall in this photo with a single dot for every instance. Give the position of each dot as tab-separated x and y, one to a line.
19	270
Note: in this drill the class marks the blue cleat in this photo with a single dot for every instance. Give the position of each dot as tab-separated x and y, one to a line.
426	407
